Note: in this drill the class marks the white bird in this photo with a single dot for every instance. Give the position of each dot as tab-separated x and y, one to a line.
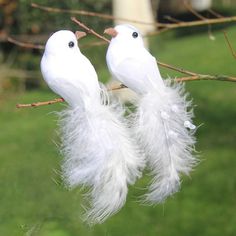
162	122
97	148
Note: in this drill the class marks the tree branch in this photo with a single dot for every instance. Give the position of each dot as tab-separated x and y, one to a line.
183	71
57	100
198	77
177	25
89	13
37	104
24	44
30	45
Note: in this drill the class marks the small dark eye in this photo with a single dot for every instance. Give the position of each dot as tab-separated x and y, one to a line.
135	35
71	44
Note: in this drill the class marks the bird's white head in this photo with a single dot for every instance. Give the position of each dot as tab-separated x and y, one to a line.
126	35
63	42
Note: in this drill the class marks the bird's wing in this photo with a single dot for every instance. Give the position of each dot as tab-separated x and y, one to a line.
138	72
72	81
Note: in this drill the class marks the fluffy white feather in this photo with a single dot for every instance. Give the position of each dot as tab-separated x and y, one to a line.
97	148
162	122
99	153
159	126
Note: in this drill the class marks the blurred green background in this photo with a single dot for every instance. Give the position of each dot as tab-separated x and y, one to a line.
33	201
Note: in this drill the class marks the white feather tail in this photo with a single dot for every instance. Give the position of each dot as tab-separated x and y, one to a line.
99	153
165	130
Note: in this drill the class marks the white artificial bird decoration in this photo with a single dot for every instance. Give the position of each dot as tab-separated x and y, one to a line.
162	122
97	148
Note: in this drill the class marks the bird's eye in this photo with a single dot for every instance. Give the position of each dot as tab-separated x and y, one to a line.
71	44
135	35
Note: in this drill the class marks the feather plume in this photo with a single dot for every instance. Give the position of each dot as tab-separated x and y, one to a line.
168	141
99	153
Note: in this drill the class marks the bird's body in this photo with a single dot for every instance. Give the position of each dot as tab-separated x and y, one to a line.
162	112
68	72
126	59
98	151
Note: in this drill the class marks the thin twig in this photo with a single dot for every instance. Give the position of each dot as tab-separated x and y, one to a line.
92	14
25	44
29	45
214	13
183	71
189	8
229	44
37	104
193	23
89	30
57	100
172	19
198	77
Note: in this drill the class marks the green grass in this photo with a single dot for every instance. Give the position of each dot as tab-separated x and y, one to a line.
34	202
